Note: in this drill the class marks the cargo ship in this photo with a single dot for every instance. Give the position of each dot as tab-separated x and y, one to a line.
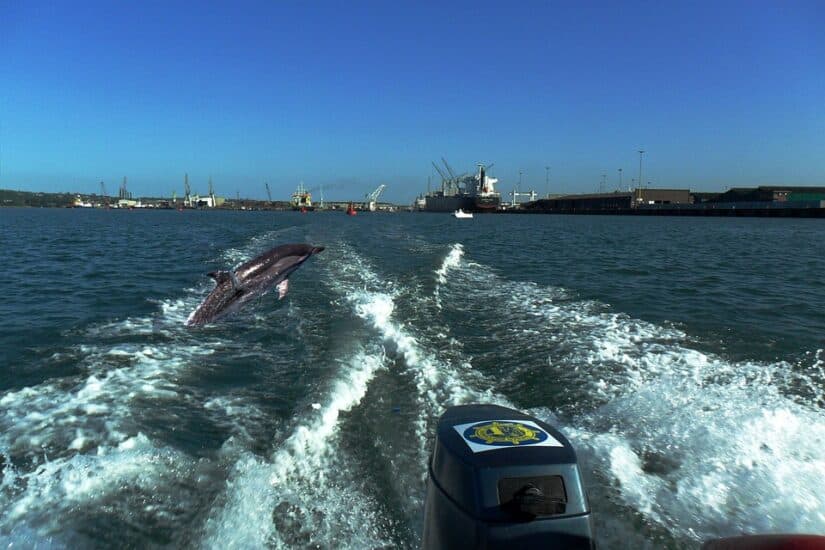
302	199
470	193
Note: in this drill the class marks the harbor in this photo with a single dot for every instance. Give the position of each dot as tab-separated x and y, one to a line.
472	191
301	200
412	275
477	193
762	201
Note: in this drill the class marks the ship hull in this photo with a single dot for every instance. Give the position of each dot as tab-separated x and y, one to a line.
486	204
448	203
467	203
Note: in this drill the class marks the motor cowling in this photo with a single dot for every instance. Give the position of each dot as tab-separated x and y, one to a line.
499	478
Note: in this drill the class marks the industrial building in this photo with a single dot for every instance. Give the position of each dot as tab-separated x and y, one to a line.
767	193
618	200
766	200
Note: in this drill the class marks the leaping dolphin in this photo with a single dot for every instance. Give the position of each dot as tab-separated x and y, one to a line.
251	280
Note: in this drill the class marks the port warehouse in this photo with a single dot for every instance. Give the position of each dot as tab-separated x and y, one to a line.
751	201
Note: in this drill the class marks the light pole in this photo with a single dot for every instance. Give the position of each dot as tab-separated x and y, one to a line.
641	152
517	190
547	181
620	179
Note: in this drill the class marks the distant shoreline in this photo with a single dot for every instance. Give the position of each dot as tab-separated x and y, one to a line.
35	199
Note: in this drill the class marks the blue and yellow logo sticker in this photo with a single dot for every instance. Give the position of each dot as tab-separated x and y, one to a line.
498	434
504	434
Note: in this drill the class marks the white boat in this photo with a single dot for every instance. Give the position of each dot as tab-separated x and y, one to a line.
462	214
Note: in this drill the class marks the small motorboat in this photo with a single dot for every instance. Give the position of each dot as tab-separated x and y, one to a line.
351	210
462	214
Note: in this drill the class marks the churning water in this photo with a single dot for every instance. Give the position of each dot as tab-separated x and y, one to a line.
682	357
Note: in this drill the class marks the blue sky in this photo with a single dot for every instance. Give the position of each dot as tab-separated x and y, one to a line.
350	95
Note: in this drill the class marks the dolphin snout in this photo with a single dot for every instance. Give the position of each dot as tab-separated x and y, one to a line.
317	249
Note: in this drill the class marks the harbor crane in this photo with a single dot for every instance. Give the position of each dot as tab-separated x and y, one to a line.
268	192
122	192
516	194
449	170
452	183
187	191
104	200
440	173
456	180
372	198
444	179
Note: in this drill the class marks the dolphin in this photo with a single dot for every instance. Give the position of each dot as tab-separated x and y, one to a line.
251	280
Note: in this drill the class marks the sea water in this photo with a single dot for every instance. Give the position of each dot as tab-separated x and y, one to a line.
682	357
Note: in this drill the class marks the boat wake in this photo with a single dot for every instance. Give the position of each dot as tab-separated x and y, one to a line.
75	444
80	453
677	444
296	485
302	494
699	446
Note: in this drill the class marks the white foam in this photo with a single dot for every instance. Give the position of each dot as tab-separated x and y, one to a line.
236	414
54	487
439	384
700	445
47	414
69	442
723	456
73	440
451	261
295	483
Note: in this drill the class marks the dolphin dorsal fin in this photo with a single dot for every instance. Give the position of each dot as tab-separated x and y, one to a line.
223	276
219	276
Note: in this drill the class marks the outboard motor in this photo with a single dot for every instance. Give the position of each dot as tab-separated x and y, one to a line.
499	478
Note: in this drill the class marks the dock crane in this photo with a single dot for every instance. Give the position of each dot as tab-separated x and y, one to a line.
187	191
457	179
444	178
440	173
268	192
122	192
449	170
515	194
372	198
